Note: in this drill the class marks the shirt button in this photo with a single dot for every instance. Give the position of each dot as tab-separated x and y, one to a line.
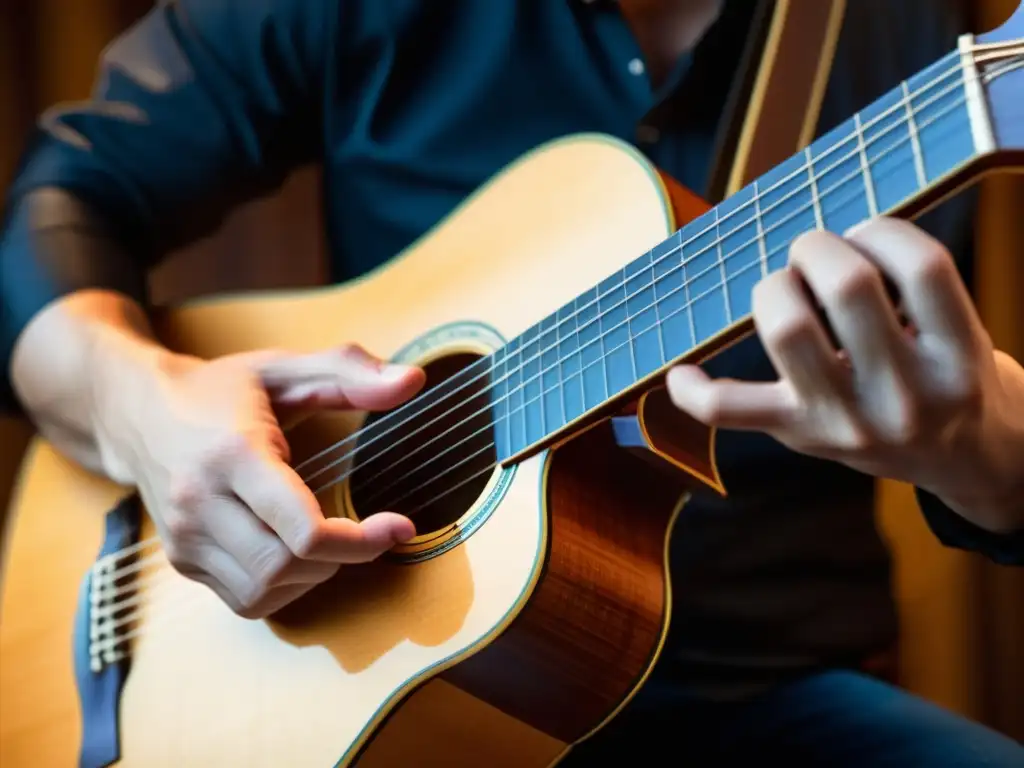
647	134
636	67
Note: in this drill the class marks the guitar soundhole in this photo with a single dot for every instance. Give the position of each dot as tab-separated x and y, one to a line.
432	459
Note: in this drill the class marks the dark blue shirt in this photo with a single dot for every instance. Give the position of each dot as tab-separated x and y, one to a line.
410	106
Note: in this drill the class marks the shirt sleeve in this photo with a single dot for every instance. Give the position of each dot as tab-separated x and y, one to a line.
953	530
198	107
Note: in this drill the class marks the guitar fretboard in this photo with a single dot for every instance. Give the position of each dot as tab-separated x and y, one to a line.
676	298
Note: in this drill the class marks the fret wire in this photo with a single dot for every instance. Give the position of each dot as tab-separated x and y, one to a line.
561	379
835	147
707	292
658	328
507	397
685	284
762	247
579	351
629	327
540	375
813	175
915	138
691	300
819	220
977	109
604	352
686	298
869	183
522	386
720	258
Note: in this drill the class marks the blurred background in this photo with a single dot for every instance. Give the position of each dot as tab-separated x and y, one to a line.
962	618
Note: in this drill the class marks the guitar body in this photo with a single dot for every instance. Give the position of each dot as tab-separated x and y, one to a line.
517	627
534	602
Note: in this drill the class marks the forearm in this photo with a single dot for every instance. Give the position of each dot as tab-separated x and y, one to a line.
80	367
75	329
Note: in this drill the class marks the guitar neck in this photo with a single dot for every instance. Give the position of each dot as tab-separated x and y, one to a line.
691	295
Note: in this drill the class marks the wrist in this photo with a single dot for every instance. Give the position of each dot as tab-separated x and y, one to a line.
996	509
990	489
127	371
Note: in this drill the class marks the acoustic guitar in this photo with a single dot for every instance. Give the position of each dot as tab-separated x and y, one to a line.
544	465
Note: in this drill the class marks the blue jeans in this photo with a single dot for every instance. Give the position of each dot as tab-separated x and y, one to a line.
833	719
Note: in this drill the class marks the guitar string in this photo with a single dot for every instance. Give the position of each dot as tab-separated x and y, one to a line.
136	547
655	283
115	591
1010	67
582	346
163	613
630	340
369	502
1007	66
141	590
684	286
677	249
574	316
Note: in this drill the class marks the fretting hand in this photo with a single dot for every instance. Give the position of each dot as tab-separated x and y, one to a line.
936	407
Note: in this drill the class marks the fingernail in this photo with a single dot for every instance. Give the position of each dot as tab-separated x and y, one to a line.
393	372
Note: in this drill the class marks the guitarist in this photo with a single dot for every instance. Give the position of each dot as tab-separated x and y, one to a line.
783	590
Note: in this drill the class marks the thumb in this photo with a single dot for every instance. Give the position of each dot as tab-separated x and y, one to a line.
345	377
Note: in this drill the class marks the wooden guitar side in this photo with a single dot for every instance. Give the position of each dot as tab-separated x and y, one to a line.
502	651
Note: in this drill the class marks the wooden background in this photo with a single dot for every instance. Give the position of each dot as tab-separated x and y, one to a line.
962	619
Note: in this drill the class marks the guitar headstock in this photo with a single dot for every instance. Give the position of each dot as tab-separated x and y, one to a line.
999	59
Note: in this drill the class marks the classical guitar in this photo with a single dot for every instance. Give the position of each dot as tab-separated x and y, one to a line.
544	465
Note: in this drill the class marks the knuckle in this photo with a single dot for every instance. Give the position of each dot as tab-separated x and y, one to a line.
854	286
846	434
711	408
228	448
932	266
185	492
349	349
305	539
181	528
966	390
270	565
175	554
250	602
787	330
904	426
855	440
351	355
809	245
250	607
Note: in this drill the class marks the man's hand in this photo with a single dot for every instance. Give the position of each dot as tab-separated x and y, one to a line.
933	405
203	445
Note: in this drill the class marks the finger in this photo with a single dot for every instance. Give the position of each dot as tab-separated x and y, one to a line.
933	292
277	496
795	339
218	570
349	377
853	296
732	404
277	599
263	556
251	604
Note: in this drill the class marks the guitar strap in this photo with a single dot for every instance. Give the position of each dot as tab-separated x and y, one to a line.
775	101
